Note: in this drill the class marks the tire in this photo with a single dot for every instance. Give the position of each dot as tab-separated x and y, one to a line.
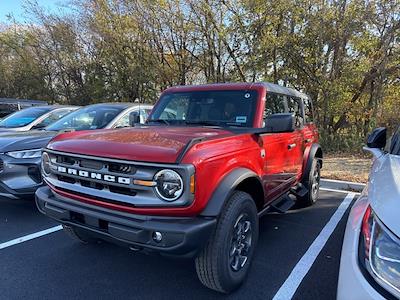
79	235
224	262
311	183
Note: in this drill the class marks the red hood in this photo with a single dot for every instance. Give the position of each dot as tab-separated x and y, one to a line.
152	144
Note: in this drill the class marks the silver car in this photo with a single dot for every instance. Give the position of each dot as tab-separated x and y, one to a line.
370	262
20	152
34	117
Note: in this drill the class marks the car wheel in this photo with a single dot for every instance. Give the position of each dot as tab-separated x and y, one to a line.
312	183
225	261
79	235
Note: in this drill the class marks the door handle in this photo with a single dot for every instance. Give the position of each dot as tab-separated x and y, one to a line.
291	146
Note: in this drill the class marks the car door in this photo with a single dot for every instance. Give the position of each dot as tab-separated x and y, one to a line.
296	140
275	151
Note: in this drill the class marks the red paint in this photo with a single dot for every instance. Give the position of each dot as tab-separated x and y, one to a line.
221	152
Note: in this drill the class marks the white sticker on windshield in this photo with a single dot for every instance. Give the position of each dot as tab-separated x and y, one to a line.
241	119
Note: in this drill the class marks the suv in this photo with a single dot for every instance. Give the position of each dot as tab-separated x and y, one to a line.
192	181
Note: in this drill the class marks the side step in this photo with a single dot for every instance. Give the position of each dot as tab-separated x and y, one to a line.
283	205
299	191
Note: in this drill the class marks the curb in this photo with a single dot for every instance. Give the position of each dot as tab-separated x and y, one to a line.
342	185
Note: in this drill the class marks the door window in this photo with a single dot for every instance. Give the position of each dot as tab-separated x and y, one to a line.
54	116
294	107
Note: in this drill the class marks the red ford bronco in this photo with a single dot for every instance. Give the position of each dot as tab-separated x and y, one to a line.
193	180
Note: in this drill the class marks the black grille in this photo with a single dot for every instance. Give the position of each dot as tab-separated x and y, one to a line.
1	165
121	168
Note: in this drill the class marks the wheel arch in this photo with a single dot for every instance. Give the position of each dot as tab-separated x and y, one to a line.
241	179
315	151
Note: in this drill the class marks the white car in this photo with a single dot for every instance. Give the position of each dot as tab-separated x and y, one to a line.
370	262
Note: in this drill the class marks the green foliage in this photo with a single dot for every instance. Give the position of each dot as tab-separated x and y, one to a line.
344	54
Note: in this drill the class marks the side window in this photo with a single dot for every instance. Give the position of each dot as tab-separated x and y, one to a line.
294	107
125	120
274	104
53	116
308	111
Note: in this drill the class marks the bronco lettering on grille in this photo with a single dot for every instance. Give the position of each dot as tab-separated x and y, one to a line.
93	175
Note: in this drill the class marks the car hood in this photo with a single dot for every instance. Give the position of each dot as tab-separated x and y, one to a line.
161	144
14	141
384	191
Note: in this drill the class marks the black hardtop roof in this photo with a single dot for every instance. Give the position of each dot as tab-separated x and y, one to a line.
270	87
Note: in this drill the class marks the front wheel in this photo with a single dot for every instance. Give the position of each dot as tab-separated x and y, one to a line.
225	261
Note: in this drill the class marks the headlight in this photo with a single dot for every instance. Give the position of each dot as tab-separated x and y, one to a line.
46	164
169	185
380	253
34	153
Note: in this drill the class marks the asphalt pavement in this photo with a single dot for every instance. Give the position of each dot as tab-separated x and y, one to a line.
53	266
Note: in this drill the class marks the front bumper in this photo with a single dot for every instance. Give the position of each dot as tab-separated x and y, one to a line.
181	236
19	178
353	282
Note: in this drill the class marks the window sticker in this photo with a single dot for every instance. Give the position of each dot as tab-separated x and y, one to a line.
241	119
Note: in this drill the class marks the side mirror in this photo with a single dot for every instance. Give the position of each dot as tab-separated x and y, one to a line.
39	126
377	139
134	118
282	122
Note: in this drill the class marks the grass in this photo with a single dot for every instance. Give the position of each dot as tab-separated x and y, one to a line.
346	167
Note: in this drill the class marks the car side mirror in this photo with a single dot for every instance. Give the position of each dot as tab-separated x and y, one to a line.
377	139
39	126
276	123
134	118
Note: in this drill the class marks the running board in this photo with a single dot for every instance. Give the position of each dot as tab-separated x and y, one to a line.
283	205
299	190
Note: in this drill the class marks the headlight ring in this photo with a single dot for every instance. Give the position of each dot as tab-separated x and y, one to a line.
169	185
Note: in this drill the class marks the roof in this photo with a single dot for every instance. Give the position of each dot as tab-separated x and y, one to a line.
16	101
271	87
123	105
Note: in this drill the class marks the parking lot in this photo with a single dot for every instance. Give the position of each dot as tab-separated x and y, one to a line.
287	262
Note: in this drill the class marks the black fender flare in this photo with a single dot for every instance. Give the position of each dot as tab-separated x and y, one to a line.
225	189
315	150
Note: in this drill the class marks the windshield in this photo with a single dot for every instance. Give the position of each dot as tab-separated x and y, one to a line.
219	108
23	117
395	143
87	118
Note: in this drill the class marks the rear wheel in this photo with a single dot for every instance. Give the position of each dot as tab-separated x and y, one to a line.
312	183
225	261
79	235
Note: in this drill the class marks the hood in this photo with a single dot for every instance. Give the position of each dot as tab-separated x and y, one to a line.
14	141
384	191
161	144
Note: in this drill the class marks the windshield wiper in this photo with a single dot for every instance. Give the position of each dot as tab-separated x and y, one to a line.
158	121
203	122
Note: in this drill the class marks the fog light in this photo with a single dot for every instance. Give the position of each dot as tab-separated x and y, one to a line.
157	236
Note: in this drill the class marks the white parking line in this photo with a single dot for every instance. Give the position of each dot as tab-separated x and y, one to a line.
30	237
337	191
289	287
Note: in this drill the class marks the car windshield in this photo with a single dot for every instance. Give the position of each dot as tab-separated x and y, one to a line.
206	108
23	117
87	118
395	143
